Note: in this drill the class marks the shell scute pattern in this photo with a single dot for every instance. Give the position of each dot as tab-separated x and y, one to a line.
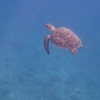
65	38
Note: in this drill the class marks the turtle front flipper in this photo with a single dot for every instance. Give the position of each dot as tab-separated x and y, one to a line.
74	51
46	44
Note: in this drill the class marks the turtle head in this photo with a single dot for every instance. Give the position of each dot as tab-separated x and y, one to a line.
49	26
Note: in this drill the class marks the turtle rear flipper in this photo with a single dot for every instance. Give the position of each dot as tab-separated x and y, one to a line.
46	44
74	51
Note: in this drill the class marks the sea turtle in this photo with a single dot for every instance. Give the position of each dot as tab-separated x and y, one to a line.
62	38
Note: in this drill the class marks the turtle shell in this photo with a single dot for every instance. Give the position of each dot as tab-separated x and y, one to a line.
65	38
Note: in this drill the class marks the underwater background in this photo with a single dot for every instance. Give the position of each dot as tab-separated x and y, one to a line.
27	72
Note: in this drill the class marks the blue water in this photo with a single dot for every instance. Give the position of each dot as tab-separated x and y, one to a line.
27	72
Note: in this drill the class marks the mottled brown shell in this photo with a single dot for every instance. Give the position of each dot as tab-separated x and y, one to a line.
65	38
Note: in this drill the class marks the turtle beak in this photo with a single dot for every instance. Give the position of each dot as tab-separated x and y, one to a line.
46	25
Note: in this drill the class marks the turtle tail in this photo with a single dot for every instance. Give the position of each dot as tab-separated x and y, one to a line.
85	47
